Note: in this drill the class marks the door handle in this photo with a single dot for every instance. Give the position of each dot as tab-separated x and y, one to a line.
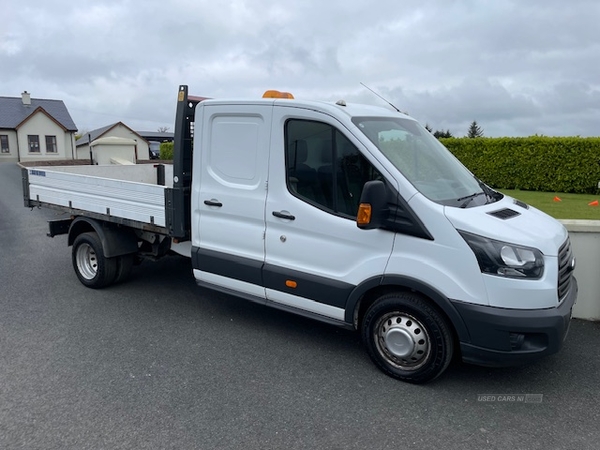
283	215
213	203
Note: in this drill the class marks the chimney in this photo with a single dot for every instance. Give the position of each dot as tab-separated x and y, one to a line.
26	97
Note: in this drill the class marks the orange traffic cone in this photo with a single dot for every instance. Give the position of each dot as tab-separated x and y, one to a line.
557	199
594	203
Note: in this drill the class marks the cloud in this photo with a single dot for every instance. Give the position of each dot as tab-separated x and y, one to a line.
518	68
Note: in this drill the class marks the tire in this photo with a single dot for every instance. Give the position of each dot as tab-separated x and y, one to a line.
407	338
93	269
124	266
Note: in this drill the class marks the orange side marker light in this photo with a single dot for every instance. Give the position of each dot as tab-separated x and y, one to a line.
364	214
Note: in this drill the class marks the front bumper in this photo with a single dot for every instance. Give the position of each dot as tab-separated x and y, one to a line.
507	337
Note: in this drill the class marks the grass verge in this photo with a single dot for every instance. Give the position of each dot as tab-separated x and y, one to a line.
560	205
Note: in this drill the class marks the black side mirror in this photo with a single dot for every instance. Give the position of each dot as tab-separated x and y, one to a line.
373	209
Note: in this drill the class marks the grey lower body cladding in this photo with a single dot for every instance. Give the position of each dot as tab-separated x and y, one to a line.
320	289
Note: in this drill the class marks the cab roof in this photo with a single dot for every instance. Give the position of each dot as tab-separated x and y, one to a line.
348	109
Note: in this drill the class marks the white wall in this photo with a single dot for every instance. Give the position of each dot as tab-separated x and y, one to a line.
585	239
82	152
104	152
12	146
139	173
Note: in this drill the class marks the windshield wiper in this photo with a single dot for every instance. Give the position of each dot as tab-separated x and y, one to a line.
468	198
491	194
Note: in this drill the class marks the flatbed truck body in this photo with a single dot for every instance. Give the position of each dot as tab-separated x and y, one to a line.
349	214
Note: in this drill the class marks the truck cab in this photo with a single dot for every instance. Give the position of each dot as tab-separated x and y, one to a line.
349	214
358	216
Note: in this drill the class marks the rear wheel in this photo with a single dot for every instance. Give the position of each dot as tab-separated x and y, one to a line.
93	269
407	337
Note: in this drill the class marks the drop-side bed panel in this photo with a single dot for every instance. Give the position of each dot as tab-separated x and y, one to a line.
106	195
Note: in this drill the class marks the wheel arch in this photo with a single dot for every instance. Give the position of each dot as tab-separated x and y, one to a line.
116	241
370	290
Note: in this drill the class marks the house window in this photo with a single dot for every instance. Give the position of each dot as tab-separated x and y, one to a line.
51	144
34	143
4	143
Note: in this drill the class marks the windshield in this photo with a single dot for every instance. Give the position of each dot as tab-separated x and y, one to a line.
424	161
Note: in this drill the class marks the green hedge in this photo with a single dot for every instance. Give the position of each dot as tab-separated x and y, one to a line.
538	163
166	150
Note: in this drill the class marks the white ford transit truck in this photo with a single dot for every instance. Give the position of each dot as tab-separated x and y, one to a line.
350	214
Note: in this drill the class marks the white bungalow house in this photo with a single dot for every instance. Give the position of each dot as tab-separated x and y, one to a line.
35	129
85	144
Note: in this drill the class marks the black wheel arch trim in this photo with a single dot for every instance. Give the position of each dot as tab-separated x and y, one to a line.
440	300
115	241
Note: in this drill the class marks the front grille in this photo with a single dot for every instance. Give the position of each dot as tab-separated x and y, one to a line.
565	270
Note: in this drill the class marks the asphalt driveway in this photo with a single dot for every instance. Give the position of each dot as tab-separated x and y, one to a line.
159	363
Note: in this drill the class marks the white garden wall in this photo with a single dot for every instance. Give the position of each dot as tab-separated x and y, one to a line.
585	239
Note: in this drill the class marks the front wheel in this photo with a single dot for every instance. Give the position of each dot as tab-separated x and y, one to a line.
407	337
93	269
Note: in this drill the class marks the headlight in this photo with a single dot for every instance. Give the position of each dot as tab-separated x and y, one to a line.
504	259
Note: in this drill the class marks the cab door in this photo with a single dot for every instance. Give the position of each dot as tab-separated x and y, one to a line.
229	196
315	253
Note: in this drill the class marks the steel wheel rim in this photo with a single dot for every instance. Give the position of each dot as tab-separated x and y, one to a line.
402	340
87	261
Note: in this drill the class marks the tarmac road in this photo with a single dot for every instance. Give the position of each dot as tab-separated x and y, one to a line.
158	363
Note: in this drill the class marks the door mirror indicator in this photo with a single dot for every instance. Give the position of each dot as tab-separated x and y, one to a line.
373	206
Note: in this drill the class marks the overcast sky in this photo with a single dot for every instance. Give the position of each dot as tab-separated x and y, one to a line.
518	68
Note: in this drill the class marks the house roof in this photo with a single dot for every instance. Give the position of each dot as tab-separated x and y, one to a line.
99	132
13	112
93	135
157	135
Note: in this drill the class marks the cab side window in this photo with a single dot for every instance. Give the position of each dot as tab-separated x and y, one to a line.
324	168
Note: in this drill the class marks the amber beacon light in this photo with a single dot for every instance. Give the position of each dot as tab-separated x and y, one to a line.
277	94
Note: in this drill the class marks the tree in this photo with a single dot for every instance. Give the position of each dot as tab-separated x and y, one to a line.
442	134
163	129
81	133
428	128
475	130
